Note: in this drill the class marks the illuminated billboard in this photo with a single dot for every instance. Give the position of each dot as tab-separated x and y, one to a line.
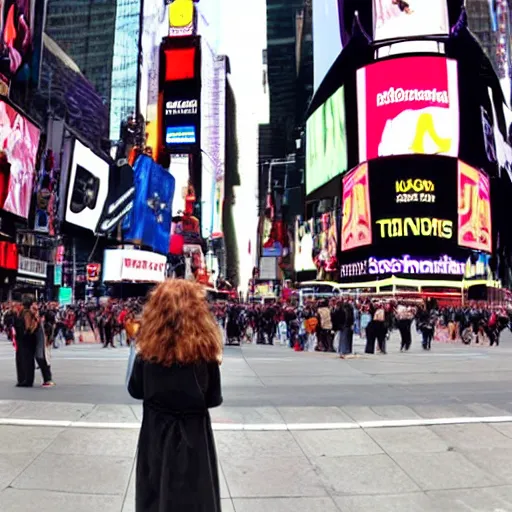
474	209
182	18
413	205
408	105
397	19
356	226
303	247
326	142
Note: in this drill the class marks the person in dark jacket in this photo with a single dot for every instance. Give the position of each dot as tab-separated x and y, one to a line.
26	327
176	374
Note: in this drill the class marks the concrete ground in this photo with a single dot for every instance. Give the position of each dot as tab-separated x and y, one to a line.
301	432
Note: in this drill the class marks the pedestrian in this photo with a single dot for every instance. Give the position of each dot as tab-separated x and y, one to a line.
176	374
26	326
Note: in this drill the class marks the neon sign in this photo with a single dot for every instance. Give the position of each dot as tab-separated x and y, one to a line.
359	268
417	226
409	265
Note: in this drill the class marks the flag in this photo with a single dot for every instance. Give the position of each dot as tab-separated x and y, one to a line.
149	222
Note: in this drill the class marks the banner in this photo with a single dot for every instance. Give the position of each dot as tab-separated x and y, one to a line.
356	228
397	19
408	105
149	222
303	257
474	209
132	265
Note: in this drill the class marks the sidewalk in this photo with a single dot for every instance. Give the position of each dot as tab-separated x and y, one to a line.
89	468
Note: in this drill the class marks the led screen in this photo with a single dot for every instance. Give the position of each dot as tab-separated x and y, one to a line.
180	135
326	142
394	19
474	209
413	205
19	139
327	44
179	64
356	227
408	105
213	140
181	18
87	188
303	255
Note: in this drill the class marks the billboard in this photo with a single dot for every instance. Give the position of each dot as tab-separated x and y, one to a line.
408	105
413	205
474	209
19	140
327	43
398	19
132	265
179	168
356	225
87	188
303	247
326	142
182	18
213	140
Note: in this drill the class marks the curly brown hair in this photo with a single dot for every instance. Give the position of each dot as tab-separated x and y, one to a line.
177	326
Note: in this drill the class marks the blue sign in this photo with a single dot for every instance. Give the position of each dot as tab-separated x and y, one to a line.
149	222
180	135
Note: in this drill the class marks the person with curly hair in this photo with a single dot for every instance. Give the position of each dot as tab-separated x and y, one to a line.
176	374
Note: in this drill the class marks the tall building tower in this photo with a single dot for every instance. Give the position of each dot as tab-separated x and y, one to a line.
85	30
483	23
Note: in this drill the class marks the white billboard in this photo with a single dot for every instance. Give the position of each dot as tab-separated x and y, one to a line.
134	266
396	19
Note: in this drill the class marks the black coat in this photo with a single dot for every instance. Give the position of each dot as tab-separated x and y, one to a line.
176	462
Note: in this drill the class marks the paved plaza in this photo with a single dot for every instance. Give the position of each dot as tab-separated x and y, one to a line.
298	432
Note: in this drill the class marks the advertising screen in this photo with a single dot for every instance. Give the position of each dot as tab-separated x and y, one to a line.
179	168
327	44
87	188
474	209
181	18
408	105
413	205
394	19
326	142
19	139
303	257
213	140
132	265
356	226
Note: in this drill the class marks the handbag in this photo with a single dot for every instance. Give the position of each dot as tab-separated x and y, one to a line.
40	344
131	361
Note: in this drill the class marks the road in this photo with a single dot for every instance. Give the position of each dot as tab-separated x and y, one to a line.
301	432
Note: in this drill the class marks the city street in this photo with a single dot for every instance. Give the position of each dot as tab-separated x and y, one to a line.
301	432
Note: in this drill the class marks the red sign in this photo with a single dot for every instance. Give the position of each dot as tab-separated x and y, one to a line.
8	256
408	105
93	271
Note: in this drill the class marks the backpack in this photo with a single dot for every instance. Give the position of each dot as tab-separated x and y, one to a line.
493	320
379	315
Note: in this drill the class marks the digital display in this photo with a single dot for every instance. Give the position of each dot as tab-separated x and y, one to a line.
181	18
326	37
395	19
179	64
356	228
408	105
303	257
474	209
19	140
180	135
326	142
413	204
88	188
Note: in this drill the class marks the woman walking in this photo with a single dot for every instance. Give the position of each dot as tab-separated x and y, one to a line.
176	373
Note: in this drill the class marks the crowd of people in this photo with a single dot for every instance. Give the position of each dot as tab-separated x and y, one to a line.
329	325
